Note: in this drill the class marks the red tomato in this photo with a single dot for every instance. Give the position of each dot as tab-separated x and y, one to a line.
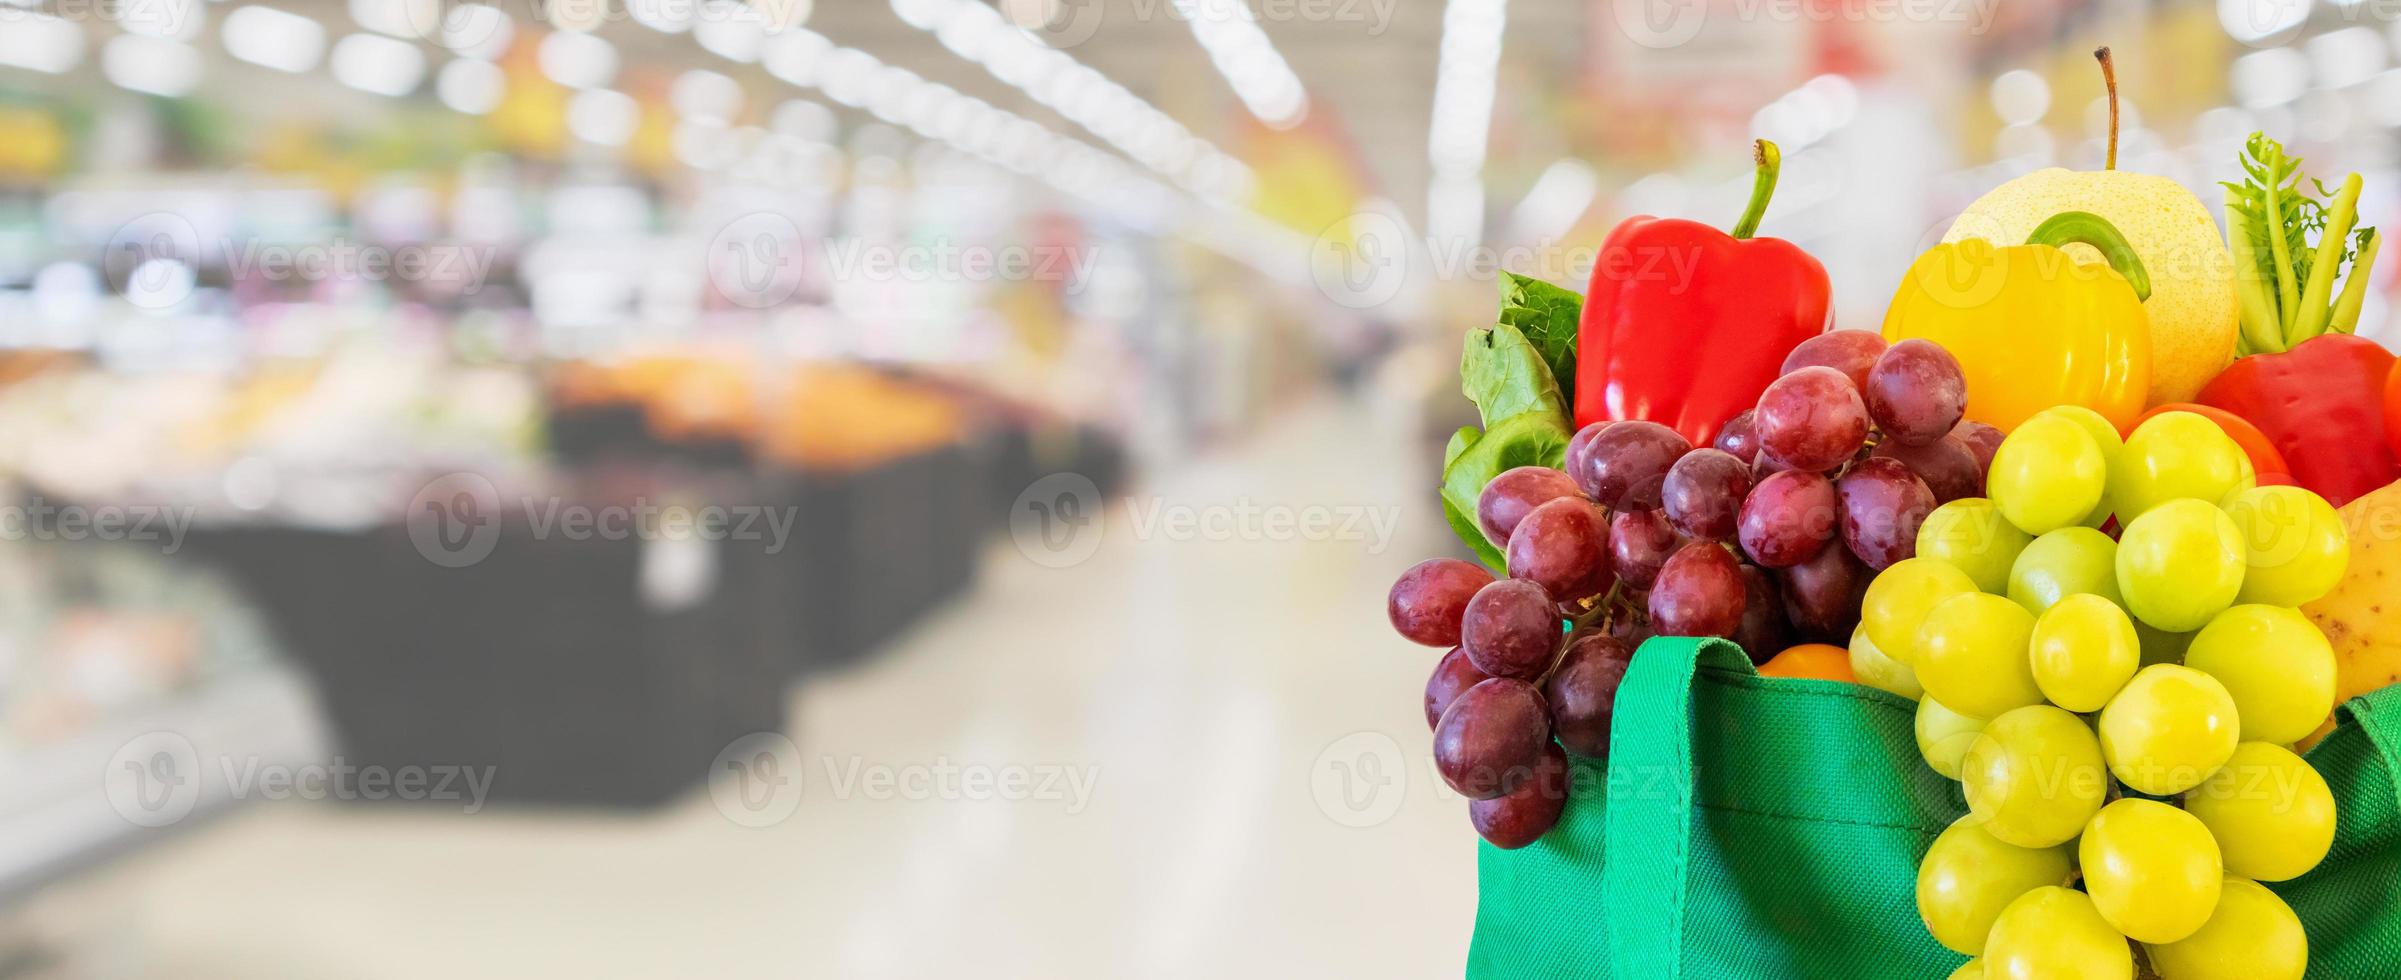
2264	457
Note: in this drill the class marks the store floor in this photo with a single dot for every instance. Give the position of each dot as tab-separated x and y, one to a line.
1256	798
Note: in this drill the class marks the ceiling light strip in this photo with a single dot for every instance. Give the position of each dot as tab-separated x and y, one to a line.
1243	54
1059	82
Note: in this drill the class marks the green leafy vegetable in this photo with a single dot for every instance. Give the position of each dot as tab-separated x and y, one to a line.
1517	372
1549	317
1526	420
1505	376
2285	284
1526	439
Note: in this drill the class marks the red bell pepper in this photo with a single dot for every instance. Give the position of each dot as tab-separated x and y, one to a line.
2392	408
2323	404
1685	325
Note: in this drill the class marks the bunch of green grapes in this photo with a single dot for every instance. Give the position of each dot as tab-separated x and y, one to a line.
2120	710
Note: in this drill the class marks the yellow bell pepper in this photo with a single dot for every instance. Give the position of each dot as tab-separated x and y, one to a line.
2033	327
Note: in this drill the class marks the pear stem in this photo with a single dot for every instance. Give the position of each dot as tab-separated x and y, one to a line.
2109	80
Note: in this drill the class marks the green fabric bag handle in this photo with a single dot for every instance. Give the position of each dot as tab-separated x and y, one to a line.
1649	828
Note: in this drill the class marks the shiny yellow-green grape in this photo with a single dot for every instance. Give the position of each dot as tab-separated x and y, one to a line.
2152	870
2047	475
2054	933
1970	970
1897	602
2161	646
2170	456
2105	436
2253	935
2179	564
2063	563
1970	534
1968	876
2275	663
2296	546
2272	814
1944	735
2034	776
2084	649
1876	670
2168	729
1971	653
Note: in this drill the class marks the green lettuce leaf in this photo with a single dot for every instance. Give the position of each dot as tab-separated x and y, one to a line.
1505	376
1513	378
1549	317
1525	439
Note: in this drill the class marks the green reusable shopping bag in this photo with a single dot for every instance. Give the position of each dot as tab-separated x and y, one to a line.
1766	827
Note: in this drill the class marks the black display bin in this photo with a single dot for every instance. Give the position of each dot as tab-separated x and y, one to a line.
541	661
874	549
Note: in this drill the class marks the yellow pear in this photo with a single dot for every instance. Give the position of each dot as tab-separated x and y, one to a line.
2192	304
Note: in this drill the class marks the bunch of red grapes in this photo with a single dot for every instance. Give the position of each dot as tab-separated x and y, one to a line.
1768	538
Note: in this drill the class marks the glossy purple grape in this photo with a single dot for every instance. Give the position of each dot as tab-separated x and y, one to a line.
1511	629
1700	593
1703	493
1821	595
1788	518
1509	497
1982	440
1579	454
1639	543
1627	462
1426	604
1491	736
1763	632
1563	546
1916	392
1582	692
1882	505
1453	674
1811	419
1947	465
1521	816
1852	352
1738	438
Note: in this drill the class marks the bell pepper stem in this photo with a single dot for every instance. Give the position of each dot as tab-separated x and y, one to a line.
2096	231
2355	288
2109	80
1769	162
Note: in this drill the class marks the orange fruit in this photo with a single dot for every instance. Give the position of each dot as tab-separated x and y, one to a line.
1823	661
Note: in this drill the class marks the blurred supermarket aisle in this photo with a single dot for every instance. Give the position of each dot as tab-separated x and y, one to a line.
1202	714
